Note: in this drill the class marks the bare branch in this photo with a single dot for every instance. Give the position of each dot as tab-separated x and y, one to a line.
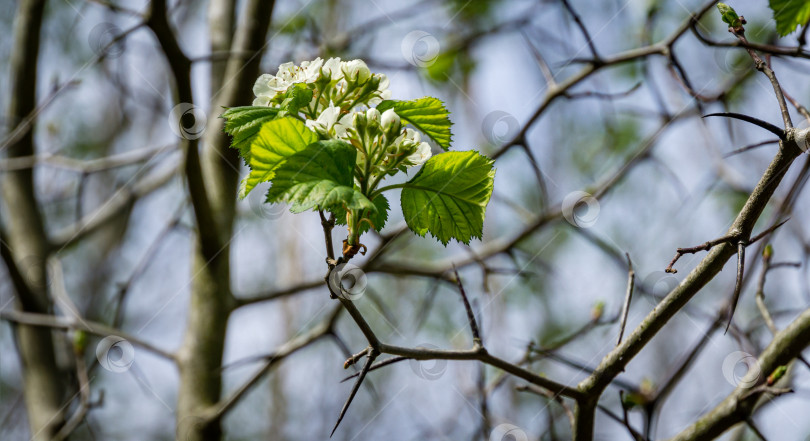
372	355
583	29
763	67
741	403
299	342
50	321
113	207
696	249
470	316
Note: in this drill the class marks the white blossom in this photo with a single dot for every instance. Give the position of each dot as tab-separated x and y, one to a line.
262	100
421	155
310	70
269	86
330	123
331	68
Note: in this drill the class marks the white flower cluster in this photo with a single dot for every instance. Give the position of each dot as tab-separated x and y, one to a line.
343	96
345	83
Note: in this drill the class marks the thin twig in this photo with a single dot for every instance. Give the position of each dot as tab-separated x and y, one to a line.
713	243
470	316
354	358
376	366
541	62
84	401
767	266
636	435
770	230
799	107
763	67
602	95
303	340
692	250
372	354
584	30
50	321
738	282
552	397
760	295
631	278
328	225
750	147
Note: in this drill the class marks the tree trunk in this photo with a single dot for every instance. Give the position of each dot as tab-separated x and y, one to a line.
27	248
211	297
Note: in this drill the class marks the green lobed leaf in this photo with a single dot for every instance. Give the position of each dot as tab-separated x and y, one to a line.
320	176
243	124
789	14
427	114
729	15
276	141
449	196
378	219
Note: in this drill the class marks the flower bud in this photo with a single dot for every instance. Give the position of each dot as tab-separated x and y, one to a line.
776	375
359	123
767	252
391	123
389	119
597	311
373	116
356	71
